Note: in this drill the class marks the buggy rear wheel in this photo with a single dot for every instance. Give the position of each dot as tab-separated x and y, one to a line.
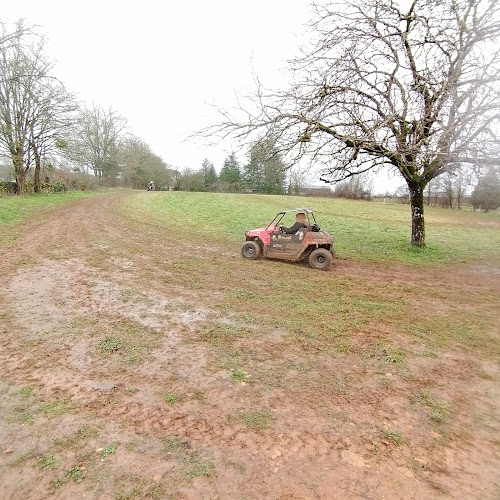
250	250
320	259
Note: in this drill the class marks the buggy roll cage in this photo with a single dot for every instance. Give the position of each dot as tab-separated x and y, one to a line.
279	216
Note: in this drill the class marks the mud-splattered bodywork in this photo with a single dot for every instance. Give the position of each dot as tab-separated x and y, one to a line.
277	245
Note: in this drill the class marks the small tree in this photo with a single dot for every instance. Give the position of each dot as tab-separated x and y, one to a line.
486	194
209	175
230	174
191	180
449	190
295	181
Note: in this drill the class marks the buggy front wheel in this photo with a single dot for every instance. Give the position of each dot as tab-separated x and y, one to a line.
250	250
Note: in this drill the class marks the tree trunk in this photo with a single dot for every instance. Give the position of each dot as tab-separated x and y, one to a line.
429	194
36	179
20	183
20	173
417	216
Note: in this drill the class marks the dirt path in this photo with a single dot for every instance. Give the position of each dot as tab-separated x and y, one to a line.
119	380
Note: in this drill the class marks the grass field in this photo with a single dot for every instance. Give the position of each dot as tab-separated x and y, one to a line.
363	230
142	357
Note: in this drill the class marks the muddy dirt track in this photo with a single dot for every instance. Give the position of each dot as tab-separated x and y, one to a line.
120	379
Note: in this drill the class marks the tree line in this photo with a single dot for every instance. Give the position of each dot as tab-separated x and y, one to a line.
264	172
45	130
481	190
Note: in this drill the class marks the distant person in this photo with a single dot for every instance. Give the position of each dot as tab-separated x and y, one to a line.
300	223
151	186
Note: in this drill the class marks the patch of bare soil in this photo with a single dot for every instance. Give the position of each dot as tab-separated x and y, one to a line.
119	380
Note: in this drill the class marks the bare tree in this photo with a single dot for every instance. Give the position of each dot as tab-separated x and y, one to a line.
139	165
53	115
19	76
96	141
450	190
415	90
34	106
296	181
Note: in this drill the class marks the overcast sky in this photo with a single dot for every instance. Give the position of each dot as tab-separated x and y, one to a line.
163	64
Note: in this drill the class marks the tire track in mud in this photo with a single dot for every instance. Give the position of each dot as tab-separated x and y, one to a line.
87	269
68	288
213	433
86	379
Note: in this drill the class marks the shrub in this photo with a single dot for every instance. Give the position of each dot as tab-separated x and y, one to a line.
60	186
486	194
8	187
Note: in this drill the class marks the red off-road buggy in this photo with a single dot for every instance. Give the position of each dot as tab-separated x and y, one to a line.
310	243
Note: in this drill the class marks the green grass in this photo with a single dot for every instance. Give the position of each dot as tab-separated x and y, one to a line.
20	460
173	445
109	344
393	354
438	411
257	419
237	375
49	462
171	397
197	467
393	436
77	439
25	391
57	407
23	414
471	330
221	334
362	230
109	449
128	343
77	474
18	208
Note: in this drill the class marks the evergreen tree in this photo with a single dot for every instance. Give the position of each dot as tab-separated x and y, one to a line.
230	174
252	174
265	171
274	176
486	194
209	175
